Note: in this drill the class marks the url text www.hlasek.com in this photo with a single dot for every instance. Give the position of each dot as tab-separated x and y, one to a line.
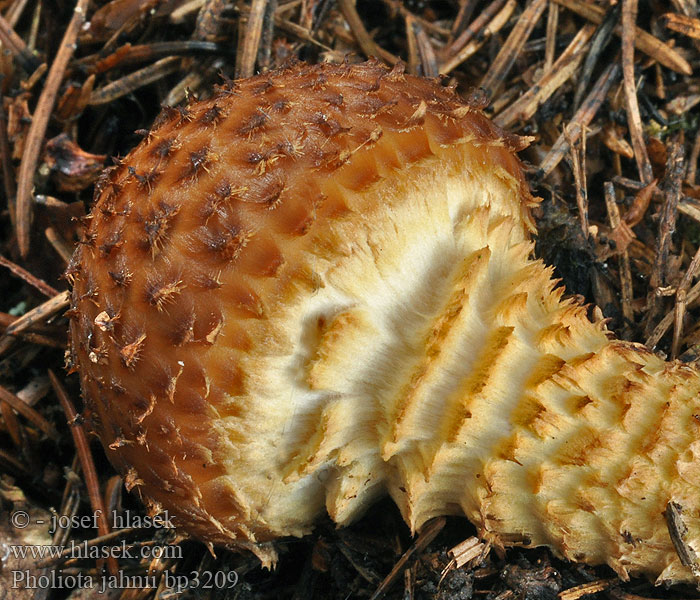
83	550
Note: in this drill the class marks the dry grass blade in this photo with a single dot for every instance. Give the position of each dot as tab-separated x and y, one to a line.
16	45
682	302
425	536
551	43
634	120
667	226
686	25
364	39
584	589
40	119
133	81
35	282
490	29
40	313
678	530
250	42
474	28
28	412
86	462
503	62
643	40
624	258
560	72
581	119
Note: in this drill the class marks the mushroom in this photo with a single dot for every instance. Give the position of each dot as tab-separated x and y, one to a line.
317	287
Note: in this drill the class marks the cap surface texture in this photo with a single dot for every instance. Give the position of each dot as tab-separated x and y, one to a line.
317	288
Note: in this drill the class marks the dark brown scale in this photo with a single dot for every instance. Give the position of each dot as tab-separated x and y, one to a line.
328	125
130	353
159	224
334	99
212	116
227	89
89	238
184	115
199	161
121	277
113	240
263	87
164	148
166	116
225	242
160	293
317	83
279	106
254	123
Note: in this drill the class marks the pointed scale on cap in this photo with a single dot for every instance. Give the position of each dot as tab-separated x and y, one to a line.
316	288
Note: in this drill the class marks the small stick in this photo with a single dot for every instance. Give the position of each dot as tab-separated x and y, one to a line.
691	169
39	313
578	158
667	225
59	244
466	10
678	530
486	15
267	36
584	589
624	258
16	45
35	282
40	120
413	59
663	325
8	172
28	412
552	79
86	462
493	27
365	41
689	26
502	64
643	40
682	302
634	120
551	44
584	115
250	42
133	81
600	41
427	535
426	52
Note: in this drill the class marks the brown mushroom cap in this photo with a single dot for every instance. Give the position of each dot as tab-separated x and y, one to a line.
316	287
